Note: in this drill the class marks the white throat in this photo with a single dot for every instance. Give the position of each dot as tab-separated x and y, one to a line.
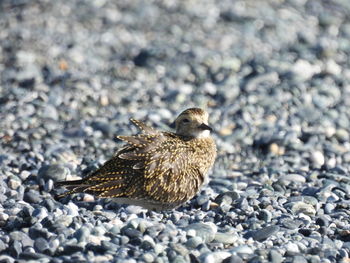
202	134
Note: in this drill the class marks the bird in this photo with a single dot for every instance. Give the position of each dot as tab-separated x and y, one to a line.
157	170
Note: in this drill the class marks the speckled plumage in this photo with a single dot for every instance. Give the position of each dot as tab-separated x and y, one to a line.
156	170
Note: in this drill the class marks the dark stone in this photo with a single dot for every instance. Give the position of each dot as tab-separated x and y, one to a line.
322	221
275	256
132	233
3	246
141	60
31	256
41	245
104	127
27	83
32	197
15	249
55	172
49	204
264	233
305	232
233	259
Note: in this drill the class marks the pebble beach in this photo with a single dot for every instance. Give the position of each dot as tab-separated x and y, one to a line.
274	76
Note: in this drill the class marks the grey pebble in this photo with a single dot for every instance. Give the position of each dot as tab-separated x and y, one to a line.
204	230
55	172
193	242
32	196
233	259
275	256
295	178
264	233
2	246
6	259
299	259
82	234
225	238
41	245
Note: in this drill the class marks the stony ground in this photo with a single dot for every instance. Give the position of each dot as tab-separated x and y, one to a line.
274	76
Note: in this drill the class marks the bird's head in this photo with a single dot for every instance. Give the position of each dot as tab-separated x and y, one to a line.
193	122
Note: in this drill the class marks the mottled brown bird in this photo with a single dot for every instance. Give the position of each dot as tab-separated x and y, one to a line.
156	170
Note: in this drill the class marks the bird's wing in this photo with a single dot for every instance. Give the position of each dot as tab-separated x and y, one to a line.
118	176
170	174
143	127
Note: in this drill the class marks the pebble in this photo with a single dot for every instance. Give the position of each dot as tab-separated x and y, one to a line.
41	245
289	178
317	158
206	231
292	248
275	256
194	242
302	207
225	238
233	259
214	257
264	233
299	259
55	172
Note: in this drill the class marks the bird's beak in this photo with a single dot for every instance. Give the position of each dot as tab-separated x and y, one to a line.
204	126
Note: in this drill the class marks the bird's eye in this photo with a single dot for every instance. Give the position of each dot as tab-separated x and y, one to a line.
185	120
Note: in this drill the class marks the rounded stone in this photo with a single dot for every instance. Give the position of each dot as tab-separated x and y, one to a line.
55	172
266	232
206	231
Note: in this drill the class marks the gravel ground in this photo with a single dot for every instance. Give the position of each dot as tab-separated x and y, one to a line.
275	77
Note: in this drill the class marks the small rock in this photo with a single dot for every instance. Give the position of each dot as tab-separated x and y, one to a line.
40	213
2	246
193	242
206	231
148	257
299	259
317	159
41	245
225	238
301	207
32	197
342	135
243	249
73	209
265	215
292	248
288	178
55	172
214	257
14	182
323	220
275	256
329	208
264	233
233	259
82	234
305	70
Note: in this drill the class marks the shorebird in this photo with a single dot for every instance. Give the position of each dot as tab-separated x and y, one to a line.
156	170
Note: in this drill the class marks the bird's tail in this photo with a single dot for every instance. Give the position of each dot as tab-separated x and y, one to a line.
72	187
67	183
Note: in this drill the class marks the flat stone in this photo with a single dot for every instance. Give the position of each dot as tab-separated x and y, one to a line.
275	256
264	233
55	172
225	238
206	231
